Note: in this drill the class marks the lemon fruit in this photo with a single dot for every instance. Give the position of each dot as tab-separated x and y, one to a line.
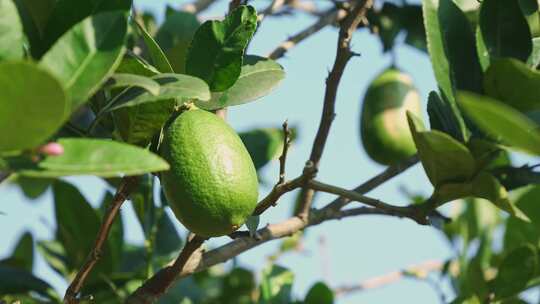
383	124
212	185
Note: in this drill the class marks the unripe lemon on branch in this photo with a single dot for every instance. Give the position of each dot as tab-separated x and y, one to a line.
383	124
212	185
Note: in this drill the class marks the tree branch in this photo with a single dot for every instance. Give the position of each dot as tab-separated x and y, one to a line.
127	185
344	54
418	271
158	284
329	17
197	6
283	157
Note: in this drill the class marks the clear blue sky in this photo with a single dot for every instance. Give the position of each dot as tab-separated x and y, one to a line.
356	248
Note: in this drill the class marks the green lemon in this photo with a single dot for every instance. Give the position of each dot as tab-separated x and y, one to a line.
212	185
383	124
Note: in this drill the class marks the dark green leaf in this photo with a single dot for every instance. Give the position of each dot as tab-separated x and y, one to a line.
505	30
115	239
502	121
142	200
466	300
54	254
276	285
172	86
133	64
263	145
217	49
33	187
11	32
513	83
159	60
22	256
67	13
530	10
104	158
27	121
460	48
515	270
512	178
442	118
87	54
174	36
168	240
121	80
259	76
14	280
445	160
238	287
319	293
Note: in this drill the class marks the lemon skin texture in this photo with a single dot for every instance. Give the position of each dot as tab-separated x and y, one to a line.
384	129
212	185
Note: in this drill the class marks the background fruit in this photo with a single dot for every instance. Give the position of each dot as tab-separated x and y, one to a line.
212	185
383	124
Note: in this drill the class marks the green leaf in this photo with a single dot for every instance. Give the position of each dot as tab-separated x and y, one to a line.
252	224
258	77
484	185
158	58
515	270
502	121
217	49
505	30
263	145
25	120
534	59
319	293
87	54
22	256
115	239
481	48
175	35
172	86
466	300
11	32
98	157
460	48
445	160
77	223
276	285
134	64
512	178
33	188
143	203
54	254
513	83
121	80
68	13
238	287
442	118
530	10
168	241
14	281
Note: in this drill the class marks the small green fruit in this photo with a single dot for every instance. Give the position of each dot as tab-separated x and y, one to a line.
212	185
383	124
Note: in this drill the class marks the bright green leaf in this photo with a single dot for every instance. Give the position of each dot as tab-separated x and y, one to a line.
120	80
11	32
27	119
276	285
513	83
175	35
98	157
159	60
445	160
258	77
534	59
217	49
502	121
505	30
87	54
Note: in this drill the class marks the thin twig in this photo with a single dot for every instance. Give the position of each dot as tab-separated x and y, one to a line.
271	9
283	157
127	185
329	17
158	284
418	271
280	189
197	6
344	54
376	181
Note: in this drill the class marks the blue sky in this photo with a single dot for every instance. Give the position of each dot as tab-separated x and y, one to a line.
355	249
